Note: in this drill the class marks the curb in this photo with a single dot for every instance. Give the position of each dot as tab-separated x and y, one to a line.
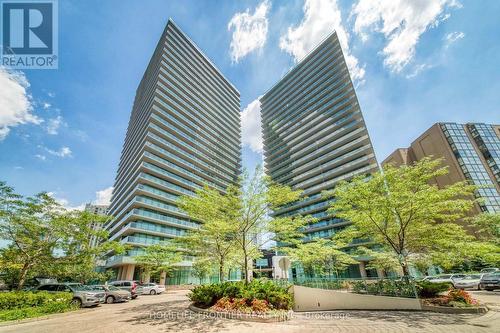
452	310
264	318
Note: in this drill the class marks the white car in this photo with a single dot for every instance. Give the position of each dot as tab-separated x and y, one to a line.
152	289
469	282
450	278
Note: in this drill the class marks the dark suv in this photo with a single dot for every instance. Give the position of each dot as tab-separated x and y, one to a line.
82	296
490	281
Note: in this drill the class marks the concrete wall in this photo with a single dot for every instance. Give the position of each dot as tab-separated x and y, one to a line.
313	299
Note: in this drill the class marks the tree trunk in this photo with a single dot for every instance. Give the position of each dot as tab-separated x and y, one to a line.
404	267
22	276
247	276
221	271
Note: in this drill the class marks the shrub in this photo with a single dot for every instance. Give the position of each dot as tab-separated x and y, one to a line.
241	305
20	304
400	288
461	296
224	303
426	289
260	305
24	299
276	296
203	295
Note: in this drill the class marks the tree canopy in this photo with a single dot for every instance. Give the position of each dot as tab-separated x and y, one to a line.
236	224
406	213
159	258
46	239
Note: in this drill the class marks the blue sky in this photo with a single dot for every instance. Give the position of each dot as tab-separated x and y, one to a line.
413	63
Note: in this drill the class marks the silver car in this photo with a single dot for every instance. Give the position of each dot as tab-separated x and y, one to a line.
449	278
152	289
113	294
469	282
82	296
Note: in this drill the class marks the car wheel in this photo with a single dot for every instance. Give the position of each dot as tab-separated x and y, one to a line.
152	292
76	302
489	289
110	300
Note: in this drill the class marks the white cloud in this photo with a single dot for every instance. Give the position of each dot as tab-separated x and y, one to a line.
46	105
54	124
65	202
16	106
103	197
62	152
41	157
321	18
419	69
82	135
251	130
452	37
249	31
402	22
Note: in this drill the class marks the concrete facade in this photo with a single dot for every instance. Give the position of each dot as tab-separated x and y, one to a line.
183	134
97	210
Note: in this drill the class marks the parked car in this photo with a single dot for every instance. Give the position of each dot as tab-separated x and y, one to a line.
152	288
490	281
469	282
113	294
130	286
489	270
450	278
82	296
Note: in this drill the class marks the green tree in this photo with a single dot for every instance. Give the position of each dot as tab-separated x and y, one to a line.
202	268
379	258
403	211
488	225
255	226
159	258
236	224
320	256
43	237
214	241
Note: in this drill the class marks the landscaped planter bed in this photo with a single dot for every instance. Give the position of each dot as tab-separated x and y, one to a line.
258	300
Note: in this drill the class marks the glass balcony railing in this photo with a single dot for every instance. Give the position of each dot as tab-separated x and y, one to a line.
164	218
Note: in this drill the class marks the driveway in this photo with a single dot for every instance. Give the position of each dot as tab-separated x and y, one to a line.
167	313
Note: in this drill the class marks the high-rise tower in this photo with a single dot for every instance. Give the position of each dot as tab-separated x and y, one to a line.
315	135
183	133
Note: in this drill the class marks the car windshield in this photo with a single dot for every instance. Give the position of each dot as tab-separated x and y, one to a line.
113	288
472	277
444	276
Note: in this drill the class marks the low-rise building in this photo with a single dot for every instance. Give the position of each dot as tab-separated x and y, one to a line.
470	151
